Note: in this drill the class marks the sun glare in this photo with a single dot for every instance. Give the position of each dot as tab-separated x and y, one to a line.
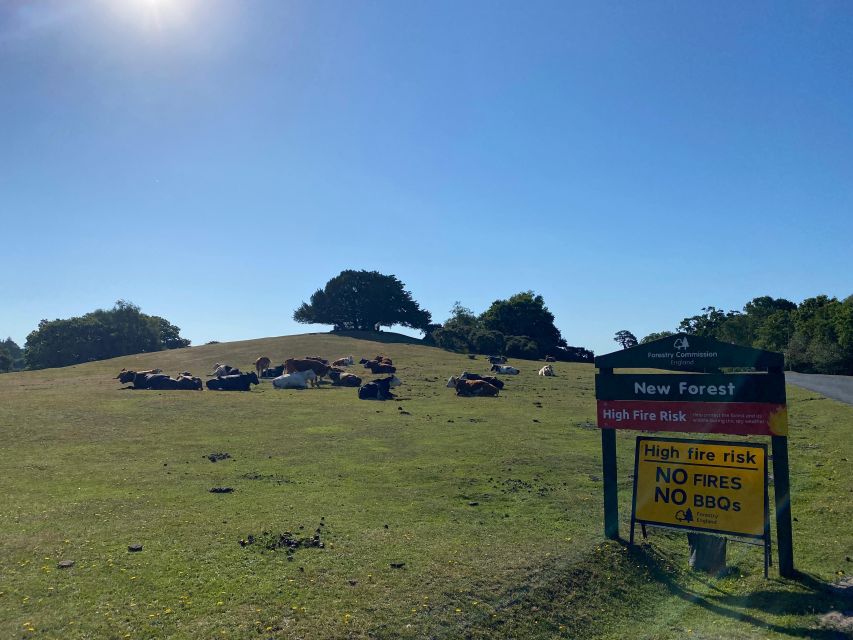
158	14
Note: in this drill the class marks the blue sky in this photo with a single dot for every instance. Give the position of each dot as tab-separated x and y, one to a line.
216	162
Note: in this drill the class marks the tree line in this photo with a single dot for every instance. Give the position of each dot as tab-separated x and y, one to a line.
100	334
520	326
816	335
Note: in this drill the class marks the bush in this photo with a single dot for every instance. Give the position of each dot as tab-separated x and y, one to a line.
521	347
485	341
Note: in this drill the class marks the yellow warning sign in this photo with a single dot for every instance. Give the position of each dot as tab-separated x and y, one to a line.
699	484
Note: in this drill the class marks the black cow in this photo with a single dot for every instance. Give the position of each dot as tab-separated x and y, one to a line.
273	372
378	367
140	380
497	359
376	390
242	382
183	383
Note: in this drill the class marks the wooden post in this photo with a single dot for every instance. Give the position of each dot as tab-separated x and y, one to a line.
782	498
608	469
611	490
707	553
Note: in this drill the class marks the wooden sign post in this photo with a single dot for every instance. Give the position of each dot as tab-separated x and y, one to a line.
748	404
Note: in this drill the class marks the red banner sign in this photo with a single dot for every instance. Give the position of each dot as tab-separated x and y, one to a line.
736	418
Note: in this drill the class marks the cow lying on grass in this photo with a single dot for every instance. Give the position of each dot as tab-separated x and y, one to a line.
273	372
379	389
475	388
547	370
497	359
240	382
220	370
495	382
160	381
343	362
505	369
145	372
298	380
343	379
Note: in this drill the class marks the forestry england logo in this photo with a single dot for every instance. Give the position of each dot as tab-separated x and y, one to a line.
681	344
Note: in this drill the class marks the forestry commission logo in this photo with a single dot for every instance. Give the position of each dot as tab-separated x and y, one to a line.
681	344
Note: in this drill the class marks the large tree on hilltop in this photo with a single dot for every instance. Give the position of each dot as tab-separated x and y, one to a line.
363	300
524	315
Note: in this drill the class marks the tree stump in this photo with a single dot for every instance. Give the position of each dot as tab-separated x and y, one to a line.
707	553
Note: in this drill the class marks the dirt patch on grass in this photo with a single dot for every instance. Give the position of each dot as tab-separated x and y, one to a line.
289	541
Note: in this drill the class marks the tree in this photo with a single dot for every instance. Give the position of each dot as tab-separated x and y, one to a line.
656	335
103	333
626	339
6	360
363	300
524	315
521	347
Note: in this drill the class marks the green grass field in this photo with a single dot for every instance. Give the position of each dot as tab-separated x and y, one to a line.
493	506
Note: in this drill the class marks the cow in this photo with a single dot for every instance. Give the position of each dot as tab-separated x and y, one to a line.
495	382
273	372
220	370
140	380
292	365
343	362
475	388
317	358
182	383
147	371
505	369
376	390
547	370
344	379
379	367
497	359
383	360
550	359
240	382
262	363
298	380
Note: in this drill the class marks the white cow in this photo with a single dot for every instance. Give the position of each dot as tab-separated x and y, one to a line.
344	362
505	369
547	370
297	380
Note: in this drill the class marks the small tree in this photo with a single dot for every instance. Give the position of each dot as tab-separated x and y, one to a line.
363	300
626	339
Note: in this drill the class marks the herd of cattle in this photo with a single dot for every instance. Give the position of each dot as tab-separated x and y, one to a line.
300	373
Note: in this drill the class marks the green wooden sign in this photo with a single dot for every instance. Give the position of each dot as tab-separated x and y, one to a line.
683	352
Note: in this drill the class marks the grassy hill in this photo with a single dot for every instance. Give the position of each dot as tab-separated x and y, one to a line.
440	516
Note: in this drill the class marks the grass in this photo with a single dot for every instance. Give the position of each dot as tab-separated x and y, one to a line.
493	505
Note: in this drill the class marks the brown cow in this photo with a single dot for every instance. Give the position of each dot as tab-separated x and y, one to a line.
292	365
317	358
383	360
475	388
262	363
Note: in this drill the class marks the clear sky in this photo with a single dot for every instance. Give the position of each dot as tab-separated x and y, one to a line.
215	162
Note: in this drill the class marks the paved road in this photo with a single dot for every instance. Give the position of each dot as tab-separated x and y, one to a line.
836	387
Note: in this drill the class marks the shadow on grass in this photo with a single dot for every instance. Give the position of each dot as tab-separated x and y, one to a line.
813	597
